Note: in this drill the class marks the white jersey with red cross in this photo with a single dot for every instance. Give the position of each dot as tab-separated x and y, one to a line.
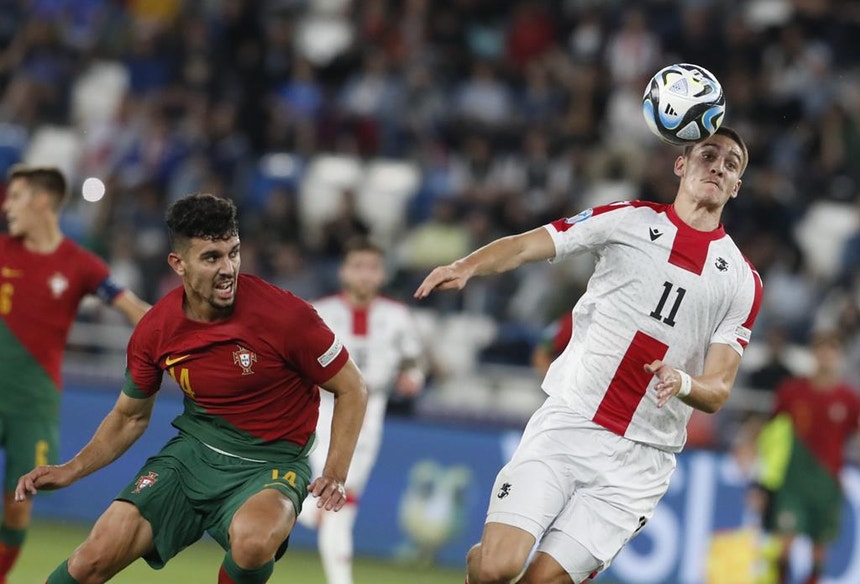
379	338
660	290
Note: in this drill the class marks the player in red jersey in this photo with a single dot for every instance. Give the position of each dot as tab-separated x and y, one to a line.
659	331
43	278
250	359
802	450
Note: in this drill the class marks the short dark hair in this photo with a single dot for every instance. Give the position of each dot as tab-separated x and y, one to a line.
831	337
732	134
201	215
361	243
49	179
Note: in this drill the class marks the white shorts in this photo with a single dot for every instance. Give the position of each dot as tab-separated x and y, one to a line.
571	478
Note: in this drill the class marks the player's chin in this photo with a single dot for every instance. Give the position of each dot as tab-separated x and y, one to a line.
221	300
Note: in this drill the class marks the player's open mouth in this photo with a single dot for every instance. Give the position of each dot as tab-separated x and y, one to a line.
224	289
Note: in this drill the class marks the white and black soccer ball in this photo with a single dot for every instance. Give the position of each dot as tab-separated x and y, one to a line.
683	103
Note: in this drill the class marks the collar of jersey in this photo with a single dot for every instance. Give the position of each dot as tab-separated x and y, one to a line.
689	231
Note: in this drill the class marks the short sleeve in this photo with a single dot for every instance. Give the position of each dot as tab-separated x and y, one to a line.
95	271
317	353
411	346
588	231
143	374
735	329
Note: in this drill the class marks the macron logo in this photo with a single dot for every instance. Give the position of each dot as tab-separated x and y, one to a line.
654	233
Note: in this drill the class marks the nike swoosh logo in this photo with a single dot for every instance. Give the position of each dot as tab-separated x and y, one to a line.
169	362
654	233
11	272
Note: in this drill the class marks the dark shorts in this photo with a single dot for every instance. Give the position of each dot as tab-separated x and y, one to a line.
809	501
188	489
28	443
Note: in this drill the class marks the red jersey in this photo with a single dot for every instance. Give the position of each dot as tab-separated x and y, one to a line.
823	419
250	381
39	297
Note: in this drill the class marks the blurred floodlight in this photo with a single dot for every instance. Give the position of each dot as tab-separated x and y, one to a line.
93	189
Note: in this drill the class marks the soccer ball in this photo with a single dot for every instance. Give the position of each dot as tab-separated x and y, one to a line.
683	103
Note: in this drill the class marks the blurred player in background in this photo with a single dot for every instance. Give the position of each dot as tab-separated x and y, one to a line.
43	278
660	331
249	358
554	339
383	340
802	453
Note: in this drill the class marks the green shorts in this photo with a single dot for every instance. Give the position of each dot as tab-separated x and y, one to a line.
28	443
809	501
188	489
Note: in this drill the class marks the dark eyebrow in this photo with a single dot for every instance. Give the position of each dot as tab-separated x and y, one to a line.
731	152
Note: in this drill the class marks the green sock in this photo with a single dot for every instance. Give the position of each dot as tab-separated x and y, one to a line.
242	576
12	537
61	575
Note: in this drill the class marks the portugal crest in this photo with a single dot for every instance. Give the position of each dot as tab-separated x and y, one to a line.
58	284
244	359
144	481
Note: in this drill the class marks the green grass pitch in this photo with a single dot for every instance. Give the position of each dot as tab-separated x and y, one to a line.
49	543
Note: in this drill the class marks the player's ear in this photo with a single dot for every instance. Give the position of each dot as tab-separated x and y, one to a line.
176	262
736	188
680	163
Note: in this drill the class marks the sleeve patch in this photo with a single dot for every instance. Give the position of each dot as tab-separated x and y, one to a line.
326	358
743	333
564	224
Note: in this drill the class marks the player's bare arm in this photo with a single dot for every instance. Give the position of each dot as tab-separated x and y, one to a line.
499	256
123	425
708	391
350	403
131	306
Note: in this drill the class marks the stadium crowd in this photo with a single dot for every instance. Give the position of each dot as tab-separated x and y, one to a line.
513	114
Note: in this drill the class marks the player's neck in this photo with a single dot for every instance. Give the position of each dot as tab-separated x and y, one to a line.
45	238
825	379
358	301
203	311
699	217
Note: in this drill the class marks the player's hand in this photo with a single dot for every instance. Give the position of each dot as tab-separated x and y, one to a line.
669	381
410	382
330	492
444	278
46	478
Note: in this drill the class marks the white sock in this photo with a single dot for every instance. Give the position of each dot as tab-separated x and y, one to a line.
335	543
310	515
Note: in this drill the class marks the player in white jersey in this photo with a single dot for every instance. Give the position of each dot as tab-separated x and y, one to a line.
660	330
383	341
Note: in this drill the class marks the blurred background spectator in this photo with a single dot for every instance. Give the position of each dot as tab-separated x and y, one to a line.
437	126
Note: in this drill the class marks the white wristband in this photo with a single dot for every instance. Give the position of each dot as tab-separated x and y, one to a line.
686	384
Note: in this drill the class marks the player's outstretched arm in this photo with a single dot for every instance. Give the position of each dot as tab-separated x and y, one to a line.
350	403
131	306
118	431
499	256
708	391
